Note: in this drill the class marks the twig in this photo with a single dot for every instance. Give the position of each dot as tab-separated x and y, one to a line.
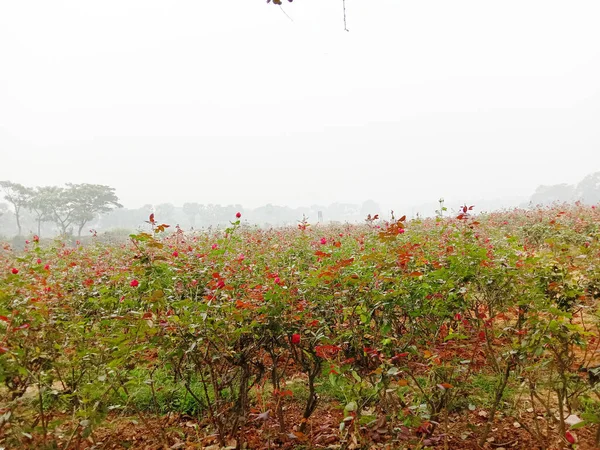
286	14
71	437
344	6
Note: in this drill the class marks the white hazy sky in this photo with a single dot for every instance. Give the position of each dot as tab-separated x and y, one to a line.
230	101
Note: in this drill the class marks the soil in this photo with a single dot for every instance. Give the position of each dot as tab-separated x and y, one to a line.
459	432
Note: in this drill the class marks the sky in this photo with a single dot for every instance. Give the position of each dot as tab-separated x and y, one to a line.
244	102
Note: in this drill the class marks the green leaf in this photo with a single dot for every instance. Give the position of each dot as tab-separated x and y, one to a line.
351	406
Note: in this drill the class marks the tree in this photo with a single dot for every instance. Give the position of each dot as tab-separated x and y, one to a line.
91	200
40	205
18	195
192	210
60	208
79	203
555	193
369	207
165	212
588	190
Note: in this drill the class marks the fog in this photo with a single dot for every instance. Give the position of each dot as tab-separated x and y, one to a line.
233	102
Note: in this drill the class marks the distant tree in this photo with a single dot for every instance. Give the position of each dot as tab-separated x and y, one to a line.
342	212
79	203
60	208
192	210
588	190
211	214
40	204
165	213
369	207
545	195
91	200
18	196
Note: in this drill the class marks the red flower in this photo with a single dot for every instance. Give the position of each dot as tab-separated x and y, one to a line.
295	338
47	267
323	241
14	271
569	437
238	215
175	254
39	261
134	283
36	238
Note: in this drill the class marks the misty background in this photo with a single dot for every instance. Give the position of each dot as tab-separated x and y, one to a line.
240	106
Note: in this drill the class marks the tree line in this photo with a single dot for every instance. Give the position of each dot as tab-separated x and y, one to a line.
69	207
74	206
586	191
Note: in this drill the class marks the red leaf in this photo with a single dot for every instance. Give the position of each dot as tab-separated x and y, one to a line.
399	355
4	319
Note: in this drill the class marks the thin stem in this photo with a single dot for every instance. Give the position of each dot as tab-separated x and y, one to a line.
344	6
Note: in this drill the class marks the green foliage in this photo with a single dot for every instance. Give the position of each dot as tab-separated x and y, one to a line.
409	321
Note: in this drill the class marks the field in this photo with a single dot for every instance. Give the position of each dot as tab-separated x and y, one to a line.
463	332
